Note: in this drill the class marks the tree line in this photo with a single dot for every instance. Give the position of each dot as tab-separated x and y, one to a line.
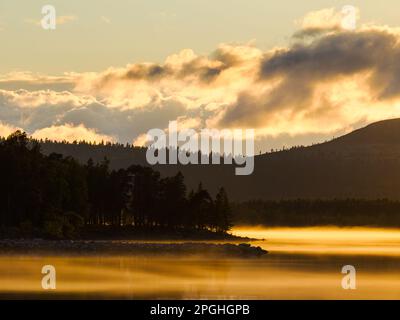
318	212
56	196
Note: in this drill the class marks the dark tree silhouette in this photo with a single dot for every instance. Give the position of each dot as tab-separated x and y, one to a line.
55	196
222	221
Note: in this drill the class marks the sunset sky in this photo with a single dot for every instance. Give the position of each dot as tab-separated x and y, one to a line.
112	70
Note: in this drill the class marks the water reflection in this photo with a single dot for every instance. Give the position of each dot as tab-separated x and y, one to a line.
302	264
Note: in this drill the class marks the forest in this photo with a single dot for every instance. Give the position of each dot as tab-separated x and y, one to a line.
318	212
53	195
56	196
364	164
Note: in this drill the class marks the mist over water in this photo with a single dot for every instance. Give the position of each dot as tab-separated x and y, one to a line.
326	240
303	263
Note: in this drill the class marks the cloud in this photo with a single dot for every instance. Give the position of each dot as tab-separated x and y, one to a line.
36	81
185	66
6	129
322	78
34	110
326	20
141	140
33	99
71	133
318	85
195	81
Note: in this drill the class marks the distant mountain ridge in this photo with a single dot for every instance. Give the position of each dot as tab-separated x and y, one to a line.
362	164
379	133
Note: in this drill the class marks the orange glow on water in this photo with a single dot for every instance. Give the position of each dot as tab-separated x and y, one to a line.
302	264
326	240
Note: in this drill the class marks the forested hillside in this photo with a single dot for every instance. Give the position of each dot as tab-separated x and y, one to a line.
56	196
363	164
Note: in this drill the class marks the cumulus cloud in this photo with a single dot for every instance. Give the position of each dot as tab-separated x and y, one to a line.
70	133
36	81
141	140
326	20
328	81
34	110
339	73
33	99
186	77
6	129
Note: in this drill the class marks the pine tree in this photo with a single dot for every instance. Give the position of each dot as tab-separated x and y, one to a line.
222	212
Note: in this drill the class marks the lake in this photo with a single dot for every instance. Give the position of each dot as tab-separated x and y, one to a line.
303	263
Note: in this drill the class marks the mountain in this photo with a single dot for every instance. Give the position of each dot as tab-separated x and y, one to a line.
362	164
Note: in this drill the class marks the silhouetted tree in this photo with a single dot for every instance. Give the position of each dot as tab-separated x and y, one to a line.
55	195
222	220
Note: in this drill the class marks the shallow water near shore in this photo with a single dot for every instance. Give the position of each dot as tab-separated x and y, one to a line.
303	263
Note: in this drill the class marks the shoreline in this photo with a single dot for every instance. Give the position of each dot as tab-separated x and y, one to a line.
113	247
128	233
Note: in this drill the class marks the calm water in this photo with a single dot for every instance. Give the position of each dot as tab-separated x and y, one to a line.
302	264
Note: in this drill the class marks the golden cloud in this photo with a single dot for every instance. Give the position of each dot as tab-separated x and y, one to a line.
6	129
334	80
71	133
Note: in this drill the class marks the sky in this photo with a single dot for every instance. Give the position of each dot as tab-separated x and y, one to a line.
112	70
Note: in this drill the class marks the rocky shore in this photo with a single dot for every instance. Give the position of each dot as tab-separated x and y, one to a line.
98	247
